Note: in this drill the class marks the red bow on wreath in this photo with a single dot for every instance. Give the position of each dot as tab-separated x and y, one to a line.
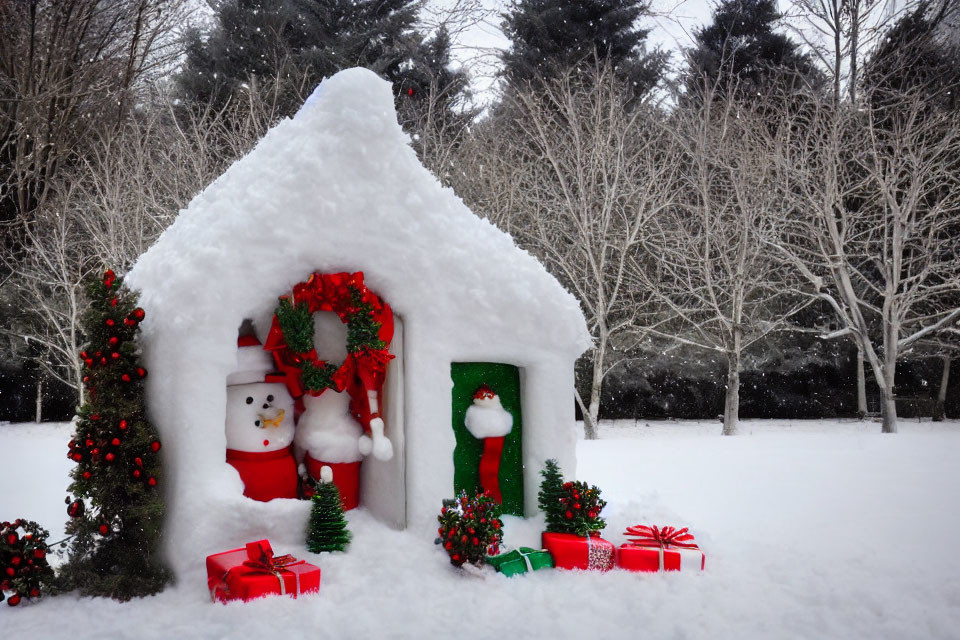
662	538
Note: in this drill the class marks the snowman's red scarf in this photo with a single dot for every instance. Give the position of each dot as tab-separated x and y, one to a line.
364	369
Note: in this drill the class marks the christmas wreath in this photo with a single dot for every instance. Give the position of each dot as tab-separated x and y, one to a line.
369	330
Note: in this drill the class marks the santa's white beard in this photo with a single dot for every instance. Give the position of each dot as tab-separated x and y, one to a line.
488	419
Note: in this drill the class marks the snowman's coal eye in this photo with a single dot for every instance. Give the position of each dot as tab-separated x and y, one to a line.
269	398
249	400
257	423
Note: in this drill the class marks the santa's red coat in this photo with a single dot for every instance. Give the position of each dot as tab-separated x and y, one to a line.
266	474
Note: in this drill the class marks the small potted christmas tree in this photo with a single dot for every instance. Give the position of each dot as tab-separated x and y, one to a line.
327	530
572	511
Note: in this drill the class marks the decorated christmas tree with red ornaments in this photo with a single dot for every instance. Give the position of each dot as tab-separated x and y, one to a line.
115	507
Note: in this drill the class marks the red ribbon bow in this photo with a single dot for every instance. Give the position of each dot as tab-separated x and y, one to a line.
261	557
661	537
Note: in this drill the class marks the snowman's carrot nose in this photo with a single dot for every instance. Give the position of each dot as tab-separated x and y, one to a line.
273	422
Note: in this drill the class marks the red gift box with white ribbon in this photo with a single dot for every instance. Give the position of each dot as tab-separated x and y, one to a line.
254	572
577	552
660	549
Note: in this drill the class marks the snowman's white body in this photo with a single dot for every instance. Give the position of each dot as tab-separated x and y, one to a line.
326	429
259	417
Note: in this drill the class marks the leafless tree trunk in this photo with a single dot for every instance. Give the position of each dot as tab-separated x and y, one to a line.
939	408
715	273
575	176
838	32
872	229
38	413
861	384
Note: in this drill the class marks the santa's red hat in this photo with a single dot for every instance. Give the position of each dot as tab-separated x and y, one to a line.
253	363
483	391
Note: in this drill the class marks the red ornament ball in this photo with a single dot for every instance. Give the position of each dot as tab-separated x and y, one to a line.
109	457
87	475
568	515
88	362
141	372
104	529
155	446
113	302
110	322
34	593
39	553
152	481
103	361
113	340
115	355
108	277
115	442
138	313
136	473
75	509
125	377
14	600
12	538
16	560
11	571
138	461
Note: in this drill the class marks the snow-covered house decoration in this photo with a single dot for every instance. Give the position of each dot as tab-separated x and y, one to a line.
338	189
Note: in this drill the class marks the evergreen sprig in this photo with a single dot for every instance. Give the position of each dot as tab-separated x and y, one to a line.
296	322
550	495
363	331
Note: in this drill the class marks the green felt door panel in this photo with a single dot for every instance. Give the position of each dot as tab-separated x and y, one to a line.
504	379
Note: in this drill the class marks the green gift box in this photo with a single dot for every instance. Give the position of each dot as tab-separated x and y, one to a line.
521	560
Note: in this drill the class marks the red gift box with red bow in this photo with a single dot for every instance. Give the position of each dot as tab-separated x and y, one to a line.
577	552
255	572
660	549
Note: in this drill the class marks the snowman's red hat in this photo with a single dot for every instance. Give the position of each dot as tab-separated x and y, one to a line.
253	363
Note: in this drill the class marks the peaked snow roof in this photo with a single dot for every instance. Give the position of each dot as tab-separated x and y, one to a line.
338	188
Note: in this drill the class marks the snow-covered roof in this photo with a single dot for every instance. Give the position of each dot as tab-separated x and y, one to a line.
338	188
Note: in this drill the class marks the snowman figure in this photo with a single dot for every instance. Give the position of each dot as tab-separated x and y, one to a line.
259	425
487	420
329	436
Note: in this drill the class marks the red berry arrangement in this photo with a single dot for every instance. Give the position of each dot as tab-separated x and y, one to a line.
23	561
581	505
470	528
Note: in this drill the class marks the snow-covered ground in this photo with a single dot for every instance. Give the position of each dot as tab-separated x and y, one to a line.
812	530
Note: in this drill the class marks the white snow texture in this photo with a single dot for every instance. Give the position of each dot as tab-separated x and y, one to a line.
813	530
338	188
